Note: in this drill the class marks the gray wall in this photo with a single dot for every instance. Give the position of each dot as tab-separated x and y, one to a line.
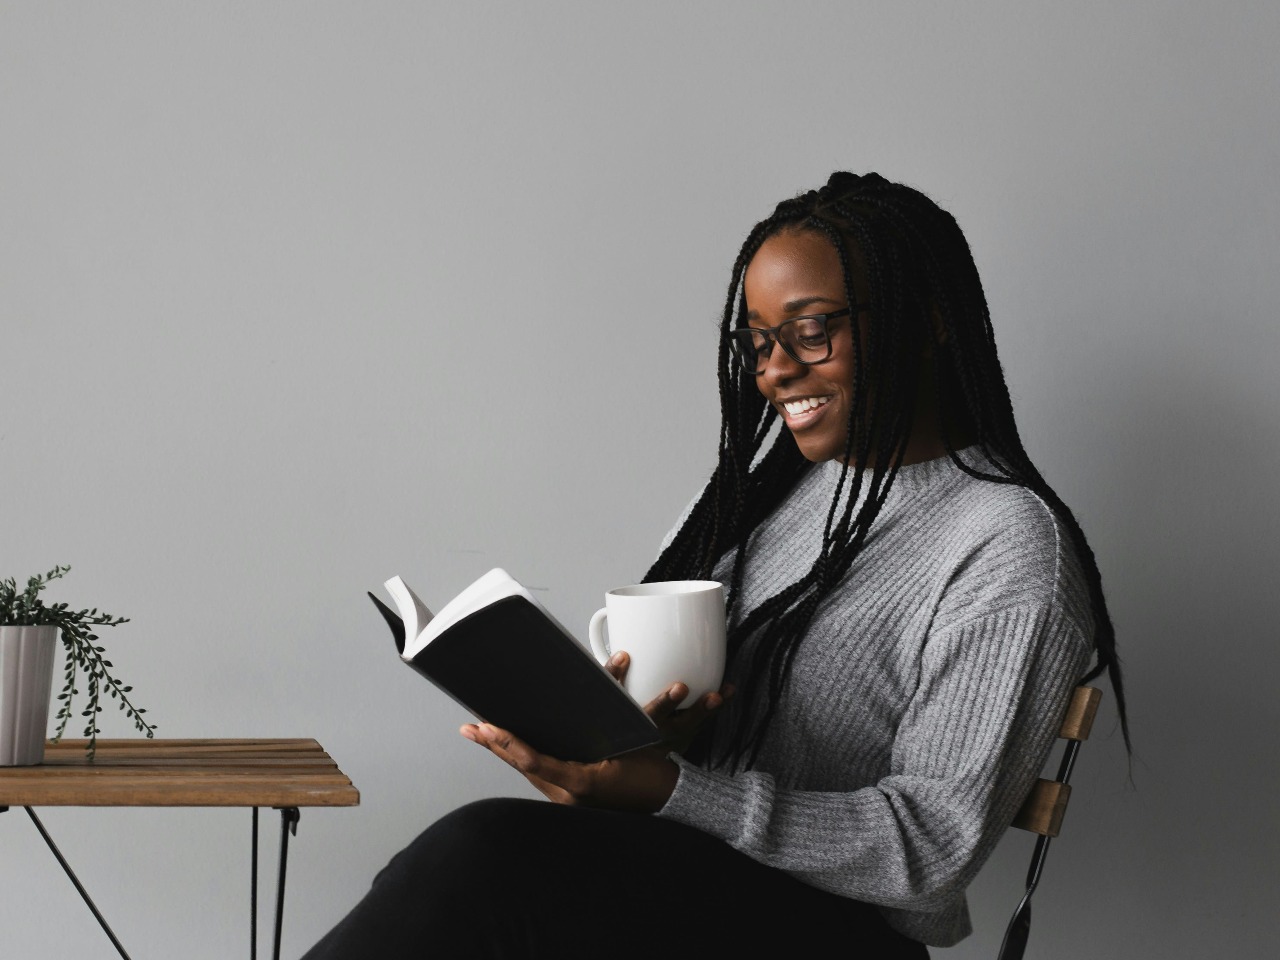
295	297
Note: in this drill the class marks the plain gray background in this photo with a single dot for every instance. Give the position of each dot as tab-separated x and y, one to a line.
298	296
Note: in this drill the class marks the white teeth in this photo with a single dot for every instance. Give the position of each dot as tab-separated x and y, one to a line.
797	407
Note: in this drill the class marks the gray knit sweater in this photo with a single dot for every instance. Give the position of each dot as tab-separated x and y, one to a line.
922	702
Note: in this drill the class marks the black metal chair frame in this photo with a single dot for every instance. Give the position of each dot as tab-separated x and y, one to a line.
1078	722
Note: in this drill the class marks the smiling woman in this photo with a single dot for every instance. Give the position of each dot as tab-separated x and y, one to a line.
910	606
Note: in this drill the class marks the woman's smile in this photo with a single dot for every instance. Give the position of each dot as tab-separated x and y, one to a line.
802	411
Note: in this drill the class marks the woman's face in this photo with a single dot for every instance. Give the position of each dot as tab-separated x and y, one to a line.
794	275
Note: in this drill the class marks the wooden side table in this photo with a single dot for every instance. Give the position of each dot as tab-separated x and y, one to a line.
283	774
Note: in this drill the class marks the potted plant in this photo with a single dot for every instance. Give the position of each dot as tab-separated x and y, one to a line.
28	638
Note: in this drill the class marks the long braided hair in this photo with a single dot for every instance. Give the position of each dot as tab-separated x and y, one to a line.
924	297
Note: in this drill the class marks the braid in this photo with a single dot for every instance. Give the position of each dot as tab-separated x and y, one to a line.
920	275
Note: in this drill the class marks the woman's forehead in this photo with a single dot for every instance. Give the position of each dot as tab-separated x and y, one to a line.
794	264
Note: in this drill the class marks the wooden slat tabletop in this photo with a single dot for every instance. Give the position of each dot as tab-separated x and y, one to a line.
181	773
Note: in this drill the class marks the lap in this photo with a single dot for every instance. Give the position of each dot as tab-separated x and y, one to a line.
530	879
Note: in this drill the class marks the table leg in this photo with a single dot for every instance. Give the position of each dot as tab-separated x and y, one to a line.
75	880
289	817
253	890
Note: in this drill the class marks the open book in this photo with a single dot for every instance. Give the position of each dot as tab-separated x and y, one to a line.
496	651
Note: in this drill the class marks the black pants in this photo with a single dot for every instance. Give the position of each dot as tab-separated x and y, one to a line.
526	879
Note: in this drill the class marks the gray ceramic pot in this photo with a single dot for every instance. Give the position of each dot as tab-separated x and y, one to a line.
26	683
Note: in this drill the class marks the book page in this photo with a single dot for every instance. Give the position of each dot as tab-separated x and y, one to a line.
488	589
415	614
494	585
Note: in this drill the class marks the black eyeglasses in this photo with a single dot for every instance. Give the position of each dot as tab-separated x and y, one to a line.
805	339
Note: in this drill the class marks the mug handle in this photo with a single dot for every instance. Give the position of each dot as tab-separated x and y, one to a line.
595	633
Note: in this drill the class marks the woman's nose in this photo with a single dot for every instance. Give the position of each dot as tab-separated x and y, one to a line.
781	366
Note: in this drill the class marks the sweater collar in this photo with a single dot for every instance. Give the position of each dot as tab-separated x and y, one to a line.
920	476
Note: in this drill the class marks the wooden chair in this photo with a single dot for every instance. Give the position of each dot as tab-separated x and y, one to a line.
1042	812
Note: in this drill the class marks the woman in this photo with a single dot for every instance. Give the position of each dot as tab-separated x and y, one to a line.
910	605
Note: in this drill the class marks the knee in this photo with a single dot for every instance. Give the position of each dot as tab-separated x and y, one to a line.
465	845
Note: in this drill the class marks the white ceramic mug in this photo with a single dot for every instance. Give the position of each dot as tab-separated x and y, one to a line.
673	631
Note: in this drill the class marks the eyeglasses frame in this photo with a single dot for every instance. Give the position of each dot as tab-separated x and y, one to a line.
771	333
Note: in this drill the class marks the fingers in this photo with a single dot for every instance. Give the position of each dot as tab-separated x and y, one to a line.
617	665
555	779
641	780
706	705
709	702
505	745
665	703
678	726
670	700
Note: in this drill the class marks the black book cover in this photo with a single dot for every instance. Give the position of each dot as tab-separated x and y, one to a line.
510	666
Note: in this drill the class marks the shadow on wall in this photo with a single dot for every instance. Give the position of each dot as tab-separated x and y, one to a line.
1187	542
1190	555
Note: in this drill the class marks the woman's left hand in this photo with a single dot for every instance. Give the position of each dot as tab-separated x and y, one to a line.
641	780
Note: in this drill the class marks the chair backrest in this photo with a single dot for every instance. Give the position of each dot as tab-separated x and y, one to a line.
1043	810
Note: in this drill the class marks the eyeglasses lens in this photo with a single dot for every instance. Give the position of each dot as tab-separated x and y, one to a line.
804	338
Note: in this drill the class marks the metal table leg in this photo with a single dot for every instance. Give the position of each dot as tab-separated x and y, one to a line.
75	880
289	817
253	890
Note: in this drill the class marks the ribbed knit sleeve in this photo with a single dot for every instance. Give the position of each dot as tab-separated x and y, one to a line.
904	746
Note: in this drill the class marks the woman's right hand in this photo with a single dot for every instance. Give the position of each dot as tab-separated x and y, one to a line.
677	726
640	780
